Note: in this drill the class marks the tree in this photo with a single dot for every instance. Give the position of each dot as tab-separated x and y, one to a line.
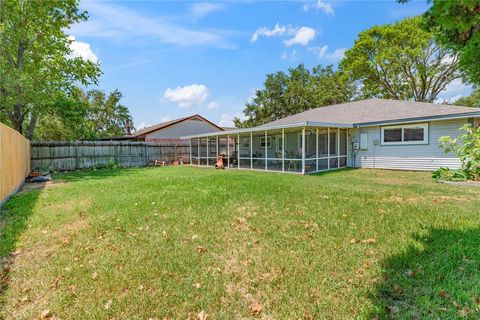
36	65
400	61
298	90
86	116
456	25
473	100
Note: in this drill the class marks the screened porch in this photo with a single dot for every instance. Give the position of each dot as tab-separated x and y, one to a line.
274	149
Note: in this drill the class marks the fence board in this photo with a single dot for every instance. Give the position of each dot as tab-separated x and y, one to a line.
65	155
14	160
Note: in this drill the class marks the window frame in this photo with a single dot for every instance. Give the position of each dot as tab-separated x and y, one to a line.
269	142
245	139
423	125
278	143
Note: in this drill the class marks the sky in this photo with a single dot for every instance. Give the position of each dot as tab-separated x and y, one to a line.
177	58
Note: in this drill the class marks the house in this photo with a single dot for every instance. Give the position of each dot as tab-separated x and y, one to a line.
174	130
372	133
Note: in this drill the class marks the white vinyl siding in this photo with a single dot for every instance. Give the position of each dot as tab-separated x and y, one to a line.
184	128
407	157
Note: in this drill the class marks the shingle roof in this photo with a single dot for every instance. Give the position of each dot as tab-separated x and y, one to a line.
144	131
374	110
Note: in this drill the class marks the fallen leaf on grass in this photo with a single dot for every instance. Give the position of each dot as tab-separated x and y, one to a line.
45	314
255	309
94	275
197	285
201	249
381	211
108	304
202	315
369	241
442	294
353	241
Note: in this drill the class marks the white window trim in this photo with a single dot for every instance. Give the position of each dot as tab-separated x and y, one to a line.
278	143
243	143
269	142
424	126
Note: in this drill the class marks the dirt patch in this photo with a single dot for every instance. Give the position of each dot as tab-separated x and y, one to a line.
41	185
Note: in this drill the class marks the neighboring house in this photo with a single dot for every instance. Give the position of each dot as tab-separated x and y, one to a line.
373	133
172	131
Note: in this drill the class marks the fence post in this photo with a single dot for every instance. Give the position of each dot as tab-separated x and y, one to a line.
77	156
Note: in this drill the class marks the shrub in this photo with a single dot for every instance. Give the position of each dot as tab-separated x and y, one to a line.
448	174
467	148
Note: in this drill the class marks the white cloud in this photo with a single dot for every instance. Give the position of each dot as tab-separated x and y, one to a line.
120	23
291	56
320	5
81	50
166	119
187	96
226	119
299	35
454	91
323	54
302	37
202	9
278	30
213	105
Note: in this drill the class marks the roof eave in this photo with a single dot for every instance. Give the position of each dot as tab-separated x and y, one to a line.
275	127
418	119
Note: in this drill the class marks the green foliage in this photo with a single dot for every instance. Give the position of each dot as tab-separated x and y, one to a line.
400	61
295	91
86	116
447	174
473	100
36	65
456	24
467	148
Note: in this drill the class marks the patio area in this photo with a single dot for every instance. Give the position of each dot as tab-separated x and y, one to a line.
274	149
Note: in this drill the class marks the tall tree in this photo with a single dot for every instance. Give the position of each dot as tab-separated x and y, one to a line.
86	116
295	91
400	61
456	25
473	100
36	65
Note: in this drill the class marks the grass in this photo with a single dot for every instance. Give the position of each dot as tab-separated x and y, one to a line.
175	242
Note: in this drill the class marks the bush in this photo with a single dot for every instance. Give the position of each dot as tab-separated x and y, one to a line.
447	174
467	148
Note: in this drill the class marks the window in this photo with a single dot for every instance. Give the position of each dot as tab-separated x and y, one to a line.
245	143
406	134
269	142
278	143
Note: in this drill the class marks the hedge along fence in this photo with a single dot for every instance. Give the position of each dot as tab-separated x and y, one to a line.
14	161
65	155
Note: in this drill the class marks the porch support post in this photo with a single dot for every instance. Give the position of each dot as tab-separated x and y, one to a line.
347	134
283	150
266	150
303	150
208	151
190	143
228	151
338	147
238	151
198	151
316	150
251	150
328	148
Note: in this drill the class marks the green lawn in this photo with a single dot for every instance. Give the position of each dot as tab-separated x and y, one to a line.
178	241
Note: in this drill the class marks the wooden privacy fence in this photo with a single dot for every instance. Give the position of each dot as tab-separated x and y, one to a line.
14	160
90	154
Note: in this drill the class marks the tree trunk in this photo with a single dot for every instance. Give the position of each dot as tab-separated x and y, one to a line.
32	126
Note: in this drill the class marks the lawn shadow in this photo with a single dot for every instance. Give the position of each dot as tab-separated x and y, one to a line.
332	172
14	216
89	174
436	278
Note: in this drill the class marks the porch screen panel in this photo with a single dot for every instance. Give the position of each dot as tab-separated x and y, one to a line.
212	151
343	148
203	152
258	149
244	152
293	151
194	153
